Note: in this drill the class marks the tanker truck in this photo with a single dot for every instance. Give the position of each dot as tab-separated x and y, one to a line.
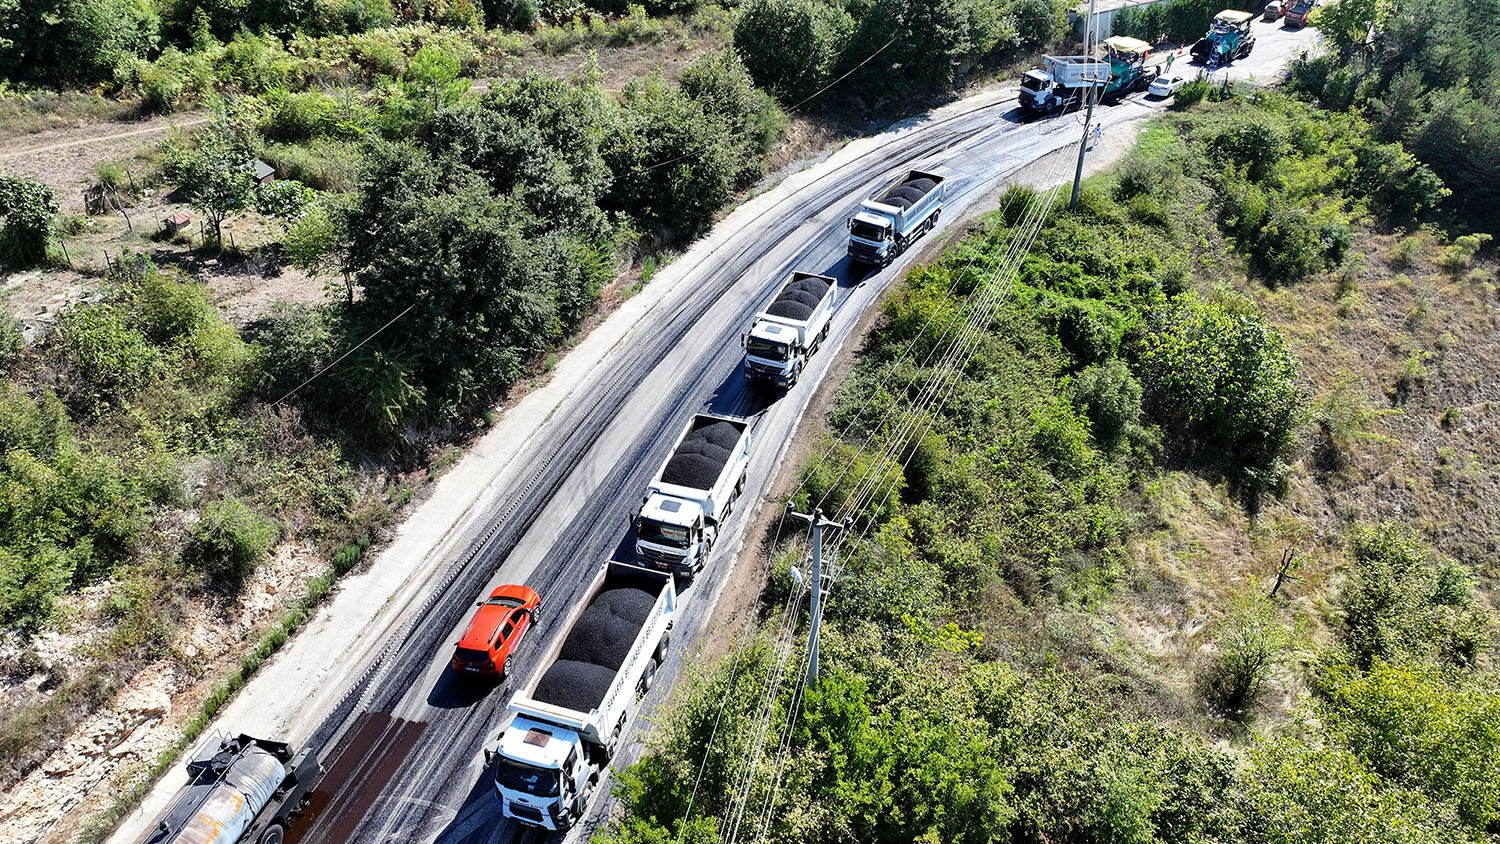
241	789
790	330
692	494
893	219
566	723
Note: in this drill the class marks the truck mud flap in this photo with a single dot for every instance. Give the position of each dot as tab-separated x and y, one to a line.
364	765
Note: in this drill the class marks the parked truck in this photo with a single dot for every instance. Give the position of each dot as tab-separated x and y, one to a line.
1229	38
1298	12
566	723
241	789
893	219
790	330
1065	82
692	494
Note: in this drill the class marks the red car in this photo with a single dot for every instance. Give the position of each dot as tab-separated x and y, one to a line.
495	631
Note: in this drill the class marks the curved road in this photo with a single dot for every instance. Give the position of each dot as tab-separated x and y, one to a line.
414	736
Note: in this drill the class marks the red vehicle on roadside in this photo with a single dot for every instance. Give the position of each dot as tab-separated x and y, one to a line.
496	629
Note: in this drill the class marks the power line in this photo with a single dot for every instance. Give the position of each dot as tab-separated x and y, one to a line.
351	351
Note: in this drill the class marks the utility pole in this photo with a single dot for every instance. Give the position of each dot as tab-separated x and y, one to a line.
1088	54
816	613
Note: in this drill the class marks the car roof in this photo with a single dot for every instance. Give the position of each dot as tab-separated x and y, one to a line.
482	627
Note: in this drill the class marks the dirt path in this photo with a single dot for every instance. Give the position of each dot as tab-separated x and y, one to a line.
93	139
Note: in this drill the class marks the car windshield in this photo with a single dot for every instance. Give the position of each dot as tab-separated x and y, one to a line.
768	349
504	601
518	776
866	231
660	533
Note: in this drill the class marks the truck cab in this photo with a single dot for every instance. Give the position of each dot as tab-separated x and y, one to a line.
540	774
870	236
790	330
670	532
887	223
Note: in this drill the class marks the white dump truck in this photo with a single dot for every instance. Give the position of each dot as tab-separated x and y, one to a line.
893	219
692	494
790	330
241	789
1062	82
566	723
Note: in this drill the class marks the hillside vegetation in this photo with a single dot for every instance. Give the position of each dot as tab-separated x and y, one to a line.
1060	615
160	458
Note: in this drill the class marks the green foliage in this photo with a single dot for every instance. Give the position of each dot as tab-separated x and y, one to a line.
1402	602
1111	399
720	83
675	164
1428	80
1217	374
216	174
48	41
109	356
286	200
1420	730
791	46
12	341
29	210
229	541
1250	641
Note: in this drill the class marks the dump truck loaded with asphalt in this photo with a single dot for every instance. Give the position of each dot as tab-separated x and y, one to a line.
692	494
893	219
790	330
241	789
566	723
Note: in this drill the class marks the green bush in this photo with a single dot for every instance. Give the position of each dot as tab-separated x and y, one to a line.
12	341
791	46
1217	373
29	209
1422	731
112	359
1250	641
719	82
1111	399
229	542
1401	602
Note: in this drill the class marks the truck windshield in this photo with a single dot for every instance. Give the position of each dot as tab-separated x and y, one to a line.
1033	83
659	533
767	349
518	776
866	231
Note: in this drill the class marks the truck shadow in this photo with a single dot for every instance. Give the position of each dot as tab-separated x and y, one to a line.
477	818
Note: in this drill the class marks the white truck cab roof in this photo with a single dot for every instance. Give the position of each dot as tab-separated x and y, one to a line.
536	743
671	511
869	218
766	329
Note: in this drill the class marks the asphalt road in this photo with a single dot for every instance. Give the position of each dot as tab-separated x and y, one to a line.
566	510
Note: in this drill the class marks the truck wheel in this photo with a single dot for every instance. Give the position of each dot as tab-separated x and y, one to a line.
274	834
661	648
648	678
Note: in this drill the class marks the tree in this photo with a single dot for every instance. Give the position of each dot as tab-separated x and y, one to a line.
791	46
286	200
1250	641
720	83
674	165
28	208
317	242
216	174
1215	370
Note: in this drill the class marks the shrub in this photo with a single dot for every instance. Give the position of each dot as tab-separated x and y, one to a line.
791	46
1423	731
1401	602
1214	370
12	341
229	541
1250	641
28	209
112	359
719	82
511	14
1111	399
1191	93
